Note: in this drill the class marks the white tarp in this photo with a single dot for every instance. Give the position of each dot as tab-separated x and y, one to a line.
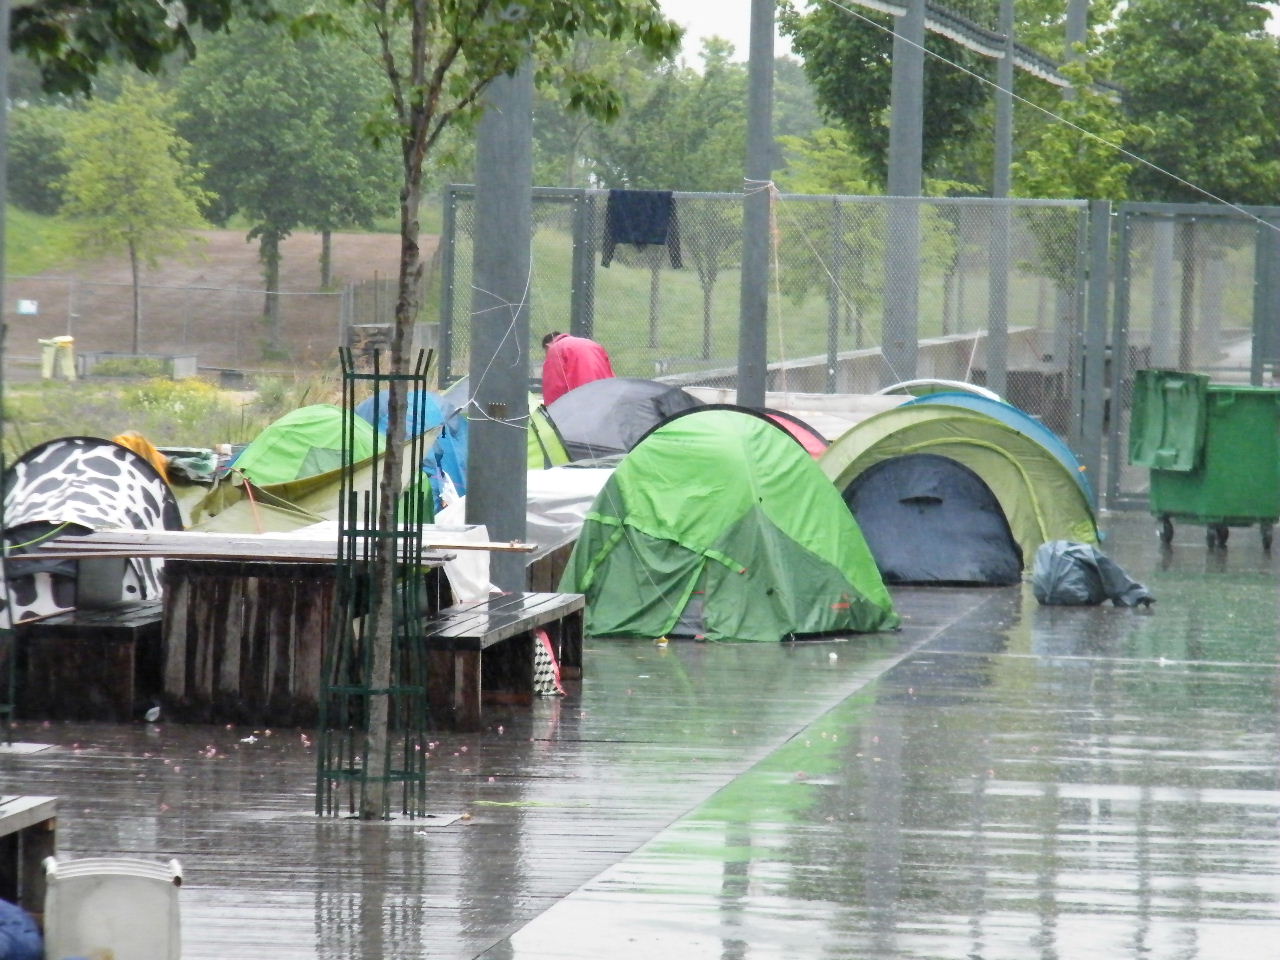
558	501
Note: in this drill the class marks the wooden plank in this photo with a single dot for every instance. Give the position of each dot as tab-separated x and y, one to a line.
302	548
482	624
18	812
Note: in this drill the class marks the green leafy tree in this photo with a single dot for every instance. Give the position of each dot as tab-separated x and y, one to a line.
687	132
565	140
1074	153
129	183
437	60
849	62
1200	77
795	108
278	123
69	40
37	135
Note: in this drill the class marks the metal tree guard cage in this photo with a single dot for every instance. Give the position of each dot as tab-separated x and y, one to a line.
348	690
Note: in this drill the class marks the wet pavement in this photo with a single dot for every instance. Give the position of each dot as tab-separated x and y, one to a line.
997	780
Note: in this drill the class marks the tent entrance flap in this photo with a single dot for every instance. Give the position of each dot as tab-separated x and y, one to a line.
929	519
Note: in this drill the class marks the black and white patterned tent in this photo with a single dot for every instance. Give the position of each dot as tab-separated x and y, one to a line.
69	487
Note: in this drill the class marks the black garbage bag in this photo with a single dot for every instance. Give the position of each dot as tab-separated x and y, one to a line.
1075	574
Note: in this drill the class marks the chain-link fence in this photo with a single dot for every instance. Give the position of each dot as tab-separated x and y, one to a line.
223	328
849	275
1198	290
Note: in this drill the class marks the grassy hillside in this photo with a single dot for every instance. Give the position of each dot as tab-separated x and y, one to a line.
34	243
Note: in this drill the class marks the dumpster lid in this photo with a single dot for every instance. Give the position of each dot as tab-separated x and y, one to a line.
1167	428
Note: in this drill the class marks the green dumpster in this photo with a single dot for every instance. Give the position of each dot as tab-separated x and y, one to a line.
1213	451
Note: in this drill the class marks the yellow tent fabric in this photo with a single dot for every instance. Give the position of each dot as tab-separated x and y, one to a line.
1040	498
145	449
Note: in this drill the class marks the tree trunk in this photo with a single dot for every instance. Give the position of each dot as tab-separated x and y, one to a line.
374	802
137	296
326	258
269	255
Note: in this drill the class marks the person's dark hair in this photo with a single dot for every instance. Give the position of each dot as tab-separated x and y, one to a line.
546	341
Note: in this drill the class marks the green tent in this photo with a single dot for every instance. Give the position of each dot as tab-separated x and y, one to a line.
1041	499
546	449
718	524
305	442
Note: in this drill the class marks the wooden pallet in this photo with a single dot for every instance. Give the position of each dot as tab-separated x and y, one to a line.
483	651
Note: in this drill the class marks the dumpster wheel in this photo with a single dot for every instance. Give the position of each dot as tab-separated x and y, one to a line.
1215	535
1265	527
1166	530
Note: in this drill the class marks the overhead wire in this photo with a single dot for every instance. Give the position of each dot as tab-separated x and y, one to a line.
1057	117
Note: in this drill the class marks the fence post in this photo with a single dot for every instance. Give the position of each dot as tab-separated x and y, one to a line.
1265	314
583	283
753	349
448	228
833	296
1120	372
1095	337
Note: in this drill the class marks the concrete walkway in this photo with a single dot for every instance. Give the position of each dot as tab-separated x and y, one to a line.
995	780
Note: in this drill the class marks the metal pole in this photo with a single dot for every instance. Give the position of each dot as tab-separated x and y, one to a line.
906	151
499	370
1265	315
833	295
448	262
579	324
1120	372
1002	215
1095	337
754	302
1077	33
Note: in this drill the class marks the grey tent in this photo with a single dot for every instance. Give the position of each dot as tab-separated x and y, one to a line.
608	417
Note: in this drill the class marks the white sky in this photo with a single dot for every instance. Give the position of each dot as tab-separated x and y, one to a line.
730	19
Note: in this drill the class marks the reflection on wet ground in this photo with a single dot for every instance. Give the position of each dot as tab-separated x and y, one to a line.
1035	782
998	780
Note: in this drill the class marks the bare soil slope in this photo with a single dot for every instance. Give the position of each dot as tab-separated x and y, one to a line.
209	303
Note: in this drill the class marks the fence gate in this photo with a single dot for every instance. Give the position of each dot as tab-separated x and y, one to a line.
1197	289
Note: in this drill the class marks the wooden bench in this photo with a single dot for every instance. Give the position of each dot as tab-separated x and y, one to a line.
28	827
98	664
484	651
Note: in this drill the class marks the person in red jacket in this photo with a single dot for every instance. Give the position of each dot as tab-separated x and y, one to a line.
571	362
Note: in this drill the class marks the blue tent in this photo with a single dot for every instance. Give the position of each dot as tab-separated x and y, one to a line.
1021	421
426	411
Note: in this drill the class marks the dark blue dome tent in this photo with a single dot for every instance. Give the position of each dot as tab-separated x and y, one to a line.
916	509
947	494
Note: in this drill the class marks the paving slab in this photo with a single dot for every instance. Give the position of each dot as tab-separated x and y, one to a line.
1033	782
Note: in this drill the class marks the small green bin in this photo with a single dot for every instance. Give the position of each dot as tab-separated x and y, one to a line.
1213	451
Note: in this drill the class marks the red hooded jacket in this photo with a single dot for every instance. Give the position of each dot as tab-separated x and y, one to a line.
571	362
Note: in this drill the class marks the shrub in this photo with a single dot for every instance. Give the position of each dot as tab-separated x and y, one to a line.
131	367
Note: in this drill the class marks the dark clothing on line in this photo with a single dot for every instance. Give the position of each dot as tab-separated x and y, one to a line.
641	217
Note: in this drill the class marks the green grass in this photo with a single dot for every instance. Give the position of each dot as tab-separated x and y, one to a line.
185	413
797	323
34	243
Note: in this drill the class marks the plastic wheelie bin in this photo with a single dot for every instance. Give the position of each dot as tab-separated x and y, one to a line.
1213	451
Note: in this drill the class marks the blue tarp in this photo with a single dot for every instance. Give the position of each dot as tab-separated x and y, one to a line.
426	411
19	937
1021	421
